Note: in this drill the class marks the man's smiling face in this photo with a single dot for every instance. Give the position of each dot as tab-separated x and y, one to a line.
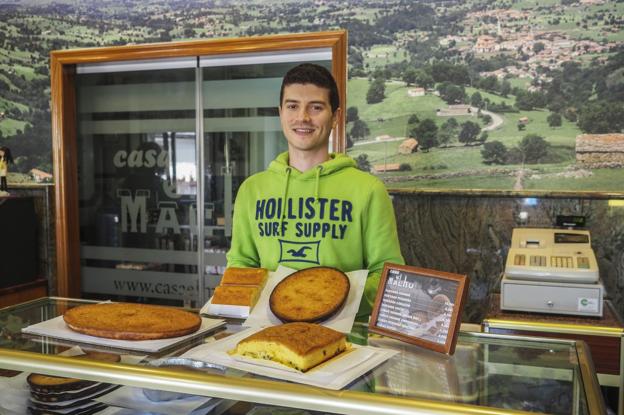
306	117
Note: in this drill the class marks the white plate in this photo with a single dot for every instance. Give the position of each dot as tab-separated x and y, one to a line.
261	315
57	328
334	374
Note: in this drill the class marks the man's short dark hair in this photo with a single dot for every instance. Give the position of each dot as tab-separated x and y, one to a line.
310	73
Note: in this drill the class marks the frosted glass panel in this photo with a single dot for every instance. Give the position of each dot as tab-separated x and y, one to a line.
138	183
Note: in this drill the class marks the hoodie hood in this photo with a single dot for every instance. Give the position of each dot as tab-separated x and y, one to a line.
280	165
336	162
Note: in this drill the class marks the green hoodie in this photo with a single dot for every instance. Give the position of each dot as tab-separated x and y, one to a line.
332	215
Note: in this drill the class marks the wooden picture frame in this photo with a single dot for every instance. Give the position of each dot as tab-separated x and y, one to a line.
420	306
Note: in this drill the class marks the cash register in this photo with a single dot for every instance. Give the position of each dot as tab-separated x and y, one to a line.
552	271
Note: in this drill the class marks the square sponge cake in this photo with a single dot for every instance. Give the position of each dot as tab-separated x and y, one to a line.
298	345
236	295
245	276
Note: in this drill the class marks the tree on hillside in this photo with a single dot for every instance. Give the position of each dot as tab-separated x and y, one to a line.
476	100
427	143
426	134
554	119
359	129
533	148
469	132
528	100
412	123
505	88
450	93
601	118
424	79
352	114
451	123
449	72
494	152
447	131
489	83
538	47
487	118
376	91
409	76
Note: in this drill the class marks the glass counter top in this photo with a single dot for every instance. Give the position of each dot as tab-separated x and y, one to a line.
488	374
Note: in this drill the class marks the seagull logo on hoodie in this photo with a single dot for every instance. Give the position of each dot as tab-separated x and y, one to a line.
299	251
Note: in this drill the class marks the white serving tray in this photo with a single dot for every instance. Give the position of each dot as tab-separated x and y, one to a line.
334	374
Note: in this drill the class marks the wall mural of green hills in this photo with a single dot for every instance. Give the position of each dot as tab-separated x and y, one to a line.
491	95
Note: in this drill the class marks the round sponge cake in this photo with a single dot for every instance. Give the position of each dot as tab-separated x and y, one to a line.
127	321
310	295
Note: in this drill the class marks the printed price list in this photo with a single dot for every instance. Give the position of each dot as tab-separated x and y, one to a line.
408	308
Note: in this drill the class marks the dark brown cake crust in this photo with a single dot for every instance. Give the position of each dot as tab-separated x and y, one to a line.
310	295
45	384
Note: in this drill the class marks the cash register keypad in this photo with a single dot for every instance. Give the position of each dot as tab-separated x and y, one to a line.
555	261
537	261
582	262
562	261
519	259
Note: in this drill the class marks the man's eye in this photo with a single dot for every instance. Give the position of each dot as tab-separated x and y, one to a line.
317	108
291	106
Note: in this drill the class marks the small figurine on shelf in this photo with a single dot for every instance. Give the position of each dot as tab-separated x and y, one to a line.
5	160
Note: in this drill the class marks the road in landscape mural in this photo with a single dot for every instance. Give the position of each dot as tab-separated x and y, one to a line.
494	95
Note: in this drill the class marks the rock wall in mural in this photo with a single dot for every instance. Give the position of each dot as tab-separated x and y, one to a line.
441	94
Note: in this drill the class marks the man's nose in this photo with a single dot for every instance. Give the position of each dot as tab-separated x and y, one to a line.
304	114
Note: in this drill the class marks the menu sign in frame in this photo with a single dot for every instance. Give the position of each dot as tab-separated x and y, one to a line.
420	306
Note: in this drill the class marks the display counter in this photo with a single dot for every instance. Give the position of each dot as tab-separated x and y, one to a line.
488	374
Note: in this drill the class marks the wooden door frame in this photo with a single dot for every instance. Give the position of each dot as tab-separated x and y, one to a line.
63	111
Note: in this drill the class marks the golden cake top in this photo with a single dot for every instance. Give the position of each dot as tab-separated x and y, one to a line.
301	338
311	294
244	276
128	321
244	295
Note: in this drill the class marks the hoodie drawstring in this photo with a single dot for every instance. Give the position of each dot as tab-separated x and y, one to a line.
319	169
288	170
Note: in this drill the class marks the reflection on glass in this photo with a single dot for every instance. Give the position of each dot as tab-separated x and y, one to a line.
138	184
501	373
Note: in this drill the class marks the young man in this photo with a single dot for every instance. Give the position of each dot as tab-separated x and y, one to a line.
312	207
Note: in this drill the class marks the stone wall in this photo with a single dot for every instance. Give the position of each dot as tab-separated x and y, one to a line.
471	235
593	158
459	233
600	148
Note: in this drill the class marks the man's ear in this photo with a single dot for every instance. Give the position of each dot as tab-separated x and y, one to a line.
336	117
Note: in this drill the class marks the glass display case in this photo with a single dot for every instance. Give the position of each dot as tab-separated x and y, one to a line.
147	134
488	374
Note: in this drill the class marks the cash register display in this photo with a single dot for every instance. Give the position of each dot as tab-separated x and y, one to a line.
571	238
551	255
